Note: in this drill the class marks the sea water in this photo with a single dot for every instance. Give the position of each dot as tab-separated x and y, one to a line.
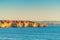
44	33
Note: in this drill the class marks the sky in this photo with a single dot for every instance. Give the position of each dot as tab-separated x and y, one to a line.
36	10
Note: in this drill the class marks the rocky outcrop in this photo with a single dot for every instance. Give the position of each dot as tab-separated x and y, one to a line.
18	23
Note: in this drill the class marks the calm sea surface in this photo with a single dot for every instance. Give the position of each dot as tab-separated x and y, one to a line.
46	33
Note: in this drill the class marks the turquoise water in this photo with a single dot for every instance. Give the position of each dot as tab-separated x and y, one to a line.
46	33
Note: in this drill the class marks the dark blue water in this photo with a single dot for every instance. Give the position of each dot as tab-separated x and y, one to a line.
46	33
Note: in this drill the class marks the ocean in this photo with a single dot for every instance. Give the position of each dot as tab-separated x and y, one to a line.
44	33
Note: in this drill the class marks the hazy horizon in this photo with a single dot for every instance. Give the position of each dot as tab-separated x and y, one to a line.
35	10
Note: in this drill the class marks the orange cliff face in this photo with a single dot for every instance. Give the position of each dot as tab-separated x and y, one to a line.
35	24
1	24
10	24
26	23
6	24
43	25
19	24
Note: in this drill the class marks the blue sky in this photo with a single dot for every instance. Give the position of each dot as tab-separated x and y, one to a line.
30	9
